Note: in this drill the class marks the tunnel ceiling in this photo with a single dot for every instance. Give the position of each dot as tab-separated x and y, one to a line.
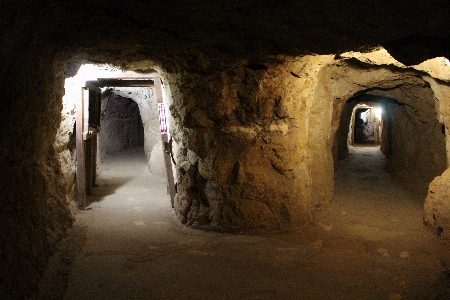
219	34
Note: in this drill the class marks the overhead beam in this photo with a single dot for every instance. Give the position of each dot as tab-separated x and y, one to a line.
122	82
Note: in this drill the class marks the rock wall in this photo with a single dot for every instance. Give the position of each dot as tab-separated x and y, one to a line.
241	160
121	125
340	144
437	205
33	192
65	143
416	144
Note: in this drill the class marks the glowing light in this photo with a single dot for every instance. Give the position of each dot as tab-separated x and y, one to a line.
378	112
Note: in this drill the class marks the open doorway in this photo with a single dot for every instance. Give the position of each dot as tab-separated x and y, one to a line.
132	136
366	125
121	150
121	125
407	134
361	125
117	112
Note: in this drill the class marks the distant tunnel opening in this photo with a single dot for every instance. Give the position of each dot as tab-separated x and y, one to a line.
365	126
121	125
407	132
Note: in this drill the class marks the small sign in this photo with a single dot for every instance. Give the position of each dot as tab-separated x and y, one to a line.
162	118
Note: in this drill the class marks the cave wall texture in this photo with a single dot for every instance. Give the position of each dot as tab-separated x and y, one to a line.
121	125
255	90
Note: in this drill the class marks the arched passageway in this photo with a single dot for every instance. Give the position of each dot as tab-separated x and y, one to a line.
371	199
123	165
121	125
414	159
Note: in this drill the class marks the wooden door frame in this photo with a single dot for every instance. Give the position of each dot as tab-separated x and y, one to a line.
86	136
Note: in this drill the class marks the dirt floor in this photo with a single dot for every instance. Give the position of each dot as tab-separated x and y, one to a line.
370	243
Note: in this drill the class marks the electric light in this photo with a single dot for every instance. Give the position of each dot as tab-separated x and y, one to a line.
378	112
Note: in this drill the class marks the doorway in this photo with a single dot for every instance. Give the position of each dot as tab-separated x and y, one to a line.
366	125
88	127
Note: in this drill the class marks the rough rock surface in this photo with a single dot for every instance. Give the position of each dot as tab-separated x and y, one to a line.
415	141
121	125
437	205
279	115
249	154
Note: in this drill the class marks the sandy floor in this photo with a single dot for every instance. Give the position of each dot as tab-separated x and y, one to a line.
370	243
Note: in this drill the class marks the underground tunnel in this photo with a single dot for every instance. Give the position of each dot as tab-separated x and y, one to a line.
124	116
413	159
121	125
261	187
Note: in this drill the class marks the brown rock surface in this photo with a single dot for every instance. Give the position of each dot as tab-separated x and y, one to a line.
253	110
437	205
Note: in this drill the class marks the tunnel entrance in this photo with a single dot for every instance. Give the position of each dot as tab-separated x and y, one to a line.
120	147
382	176
121	125
120	111
365	125
396	126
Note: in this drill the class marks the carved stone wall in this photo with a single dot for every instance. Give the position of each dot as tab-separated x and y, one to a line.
121	125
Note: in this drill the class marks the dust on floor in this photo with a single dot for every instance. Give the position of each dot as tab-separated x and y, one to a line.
370	243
